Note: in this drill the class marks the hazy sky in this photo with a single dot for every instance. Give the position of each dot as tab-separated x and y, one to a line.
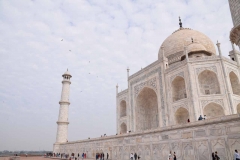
111	34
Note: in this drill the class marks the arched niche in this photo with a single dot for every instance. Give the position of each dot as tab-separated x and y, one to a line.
181	116
146	110
123	108
213	110
208	83
238	108
123	128
234	83
178	89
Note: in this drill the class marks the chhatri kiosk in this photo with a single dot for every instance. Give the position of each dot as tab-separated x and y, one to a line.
189	78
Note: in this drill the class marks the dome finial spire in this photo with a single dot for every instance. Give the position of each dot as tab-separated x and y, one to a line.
180	22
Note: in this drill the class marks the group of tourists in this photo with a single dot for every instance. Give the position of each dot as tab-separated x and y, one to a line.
84	155
100	156
172	156
135	156
202	118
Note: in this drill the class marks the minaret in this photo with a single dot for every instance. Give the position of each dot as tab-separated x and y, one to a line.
62	129
127	73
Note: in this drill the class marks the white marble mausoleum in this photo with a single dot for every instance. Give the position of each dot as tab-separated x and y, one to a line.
189	78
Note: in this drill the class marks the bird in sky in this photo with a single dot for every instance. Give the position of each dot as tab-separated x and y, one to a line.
70	50
62	40
89	61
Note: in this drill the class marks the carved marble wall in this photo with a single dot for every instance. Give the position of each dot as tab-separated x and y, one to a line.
194	141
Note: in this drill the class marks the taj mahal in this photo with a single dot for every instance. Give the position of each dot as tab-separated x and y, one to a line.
159	110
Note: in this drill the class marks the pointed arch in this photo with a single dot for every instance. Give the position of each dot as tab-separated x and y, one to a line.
123	128
213	110
208	83
181	116
238	108
123	108
234	83
146	110
178	89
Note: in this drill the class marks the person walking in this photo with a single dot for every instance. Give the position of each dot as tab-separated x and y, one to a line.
107	155
236	155
85	155
216	156
103	156
96	156
213	156
174	156
135	156
82	156
131	156
170	156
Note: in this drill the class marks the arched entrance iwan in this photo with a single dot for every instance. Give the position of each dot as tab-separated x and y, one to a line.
146	112
123	108
208	83
234	83
123	128
213	110
178	89
181	116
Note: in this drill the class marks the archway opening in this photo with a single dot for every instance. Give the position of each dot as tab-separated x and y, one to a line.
178	89
123	108
234	83
123	128
208	83
213	110
146	110
181	116
238	108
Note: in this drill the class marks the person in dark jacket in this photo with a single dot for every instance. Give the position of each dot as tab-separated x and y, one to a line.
216	156
213	156
107	155
200	118
135	156
174	156
103	156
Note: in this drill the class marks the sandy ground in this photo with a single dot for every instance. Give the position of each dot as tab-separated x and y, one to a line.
42	158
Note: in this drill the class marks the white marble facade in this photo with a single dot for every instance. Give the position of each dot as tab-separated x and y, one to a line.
187	80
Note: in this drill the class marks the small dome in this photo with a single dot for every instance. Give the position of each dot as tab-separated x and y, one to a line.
193	47
67	73
174	44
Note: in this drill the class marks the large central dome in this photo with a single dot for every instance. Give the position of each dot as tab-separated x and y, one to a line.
174	44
